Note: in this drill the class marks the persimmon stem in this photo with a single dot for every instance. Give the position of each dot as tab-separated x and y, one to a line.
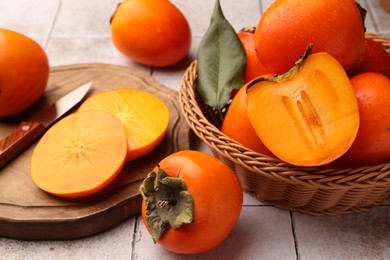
286	76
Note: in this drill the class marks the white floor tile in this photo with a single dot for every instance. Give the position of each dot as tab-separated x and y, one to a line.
380	17
86	18
171	76
32	18
250	200
112	244
254	237
65	51
353	236
368	22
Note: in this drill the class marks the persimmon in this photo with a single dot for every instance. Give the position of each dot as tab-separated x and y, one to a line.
375	58
236	124
144	116
307	117
372	143
151	32
80	154
254	67
191	202
24	72
288	26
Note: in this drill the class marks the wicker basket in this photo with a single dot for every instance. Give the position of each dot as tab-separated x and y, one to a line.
313	190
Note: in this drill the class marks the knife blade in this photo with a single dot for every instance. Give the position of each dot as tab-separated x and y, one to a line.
29	131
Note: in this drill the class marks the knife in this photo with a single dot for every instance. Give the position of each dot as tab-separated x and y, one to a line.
29	131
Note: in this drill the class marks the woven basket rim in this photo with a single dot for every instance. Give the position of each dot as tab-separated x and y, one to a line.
256	163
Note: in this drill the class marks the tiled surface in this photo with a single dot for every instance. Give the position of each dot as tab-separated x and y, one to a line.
77	31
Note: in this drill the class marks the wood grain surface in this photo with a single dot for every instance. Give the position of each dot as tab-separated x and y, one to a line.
26	212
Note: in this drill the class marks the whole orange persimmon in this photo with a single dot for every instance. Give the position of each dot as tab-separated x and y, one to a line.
372	143
288	26
24	72
254	67
151	32
375	58
191	202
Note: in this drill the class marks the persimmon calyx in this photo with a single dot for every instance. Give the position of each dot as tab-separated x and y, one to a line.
168	203
251	29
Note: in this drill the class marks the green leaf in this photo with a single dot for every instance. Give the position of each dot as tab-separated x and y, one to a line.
221	61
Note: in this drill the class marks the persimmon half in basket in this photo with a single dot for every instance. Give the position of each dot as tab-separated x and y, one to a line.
307	117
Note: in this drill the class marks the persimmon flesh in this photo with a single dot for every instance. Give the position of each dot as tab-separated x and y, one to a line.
308	117
80	154
144	116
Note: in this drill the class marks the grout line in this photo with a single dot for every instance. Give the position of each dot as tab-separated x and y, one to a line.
134	240
47	40
294	235
261	9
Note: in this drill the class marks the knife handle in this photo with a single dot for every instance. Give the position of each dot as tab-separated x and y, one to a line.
22	137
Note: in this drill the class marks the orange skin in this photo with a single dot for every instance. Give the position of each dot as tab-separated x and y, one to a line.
24	72
151	32
288	26
217	196
372	143
254	67
236	125
374	59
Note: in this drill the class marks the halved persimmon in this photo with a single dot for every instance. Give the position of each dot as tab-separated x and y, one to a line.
308	117
144	116
80	154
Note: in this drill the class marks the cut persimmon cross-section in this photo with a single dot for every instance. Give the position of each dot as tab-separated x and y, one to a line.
80	154
307	117
144	116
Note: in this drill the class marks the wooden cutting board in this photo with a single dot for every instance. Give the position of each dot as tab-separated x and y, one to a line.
26	212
